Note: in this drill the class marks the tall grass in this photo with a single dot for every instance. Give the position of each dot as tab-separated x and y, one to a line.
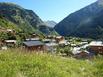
16	63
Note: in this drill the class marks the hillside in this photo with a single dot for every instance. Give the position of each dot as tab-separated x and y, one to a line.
47	30
21	64
14	16
87	22
20	17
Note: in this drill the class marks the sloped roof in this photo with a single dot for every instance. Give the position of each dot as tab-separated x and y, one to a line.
9	41
96	43
33	43
33	39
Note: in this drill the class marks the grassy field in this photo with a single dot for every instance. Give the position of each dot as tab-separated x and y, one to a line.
16	63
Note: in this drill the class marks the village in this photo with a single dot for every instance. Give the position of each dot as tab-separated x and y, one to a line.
78	48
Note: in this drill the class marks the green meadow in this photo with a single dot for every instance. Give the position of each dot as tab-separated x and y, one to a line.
18	63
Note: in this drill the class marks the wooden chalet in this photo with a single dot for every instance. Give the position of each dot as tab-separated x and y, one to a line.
10	42
51	37
34	45
33	37
11	31
51	46
82	55
59	39
96	47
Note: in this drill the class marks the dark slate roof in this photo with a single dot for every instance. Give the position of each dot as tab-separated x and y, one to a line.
33	43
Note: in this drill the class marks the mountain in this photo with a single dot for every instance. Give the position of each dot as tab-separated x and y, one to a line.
86	23
15	17
23	18
51	23
47	30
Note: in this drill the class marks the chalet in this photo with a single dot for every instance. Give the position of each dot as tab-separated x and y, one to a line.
47	40
61	40
73	45
51	37
10	31
10	42
32	39
82	55
51	46
96	47
7	30
34	45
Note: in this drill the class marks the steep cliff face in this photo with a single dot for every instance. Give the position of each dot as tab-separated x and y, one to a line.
87	22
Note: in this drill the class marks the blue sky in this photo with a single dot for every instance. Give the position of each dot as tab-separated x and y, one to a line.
52	9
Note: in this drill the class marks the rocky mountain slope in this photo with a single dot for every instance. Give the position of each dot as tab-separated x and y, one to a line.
13	16
86	23
23	18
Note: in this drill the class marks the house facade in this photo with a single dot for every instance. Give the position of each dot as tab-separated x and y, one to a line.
34	45
96	47
10	43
